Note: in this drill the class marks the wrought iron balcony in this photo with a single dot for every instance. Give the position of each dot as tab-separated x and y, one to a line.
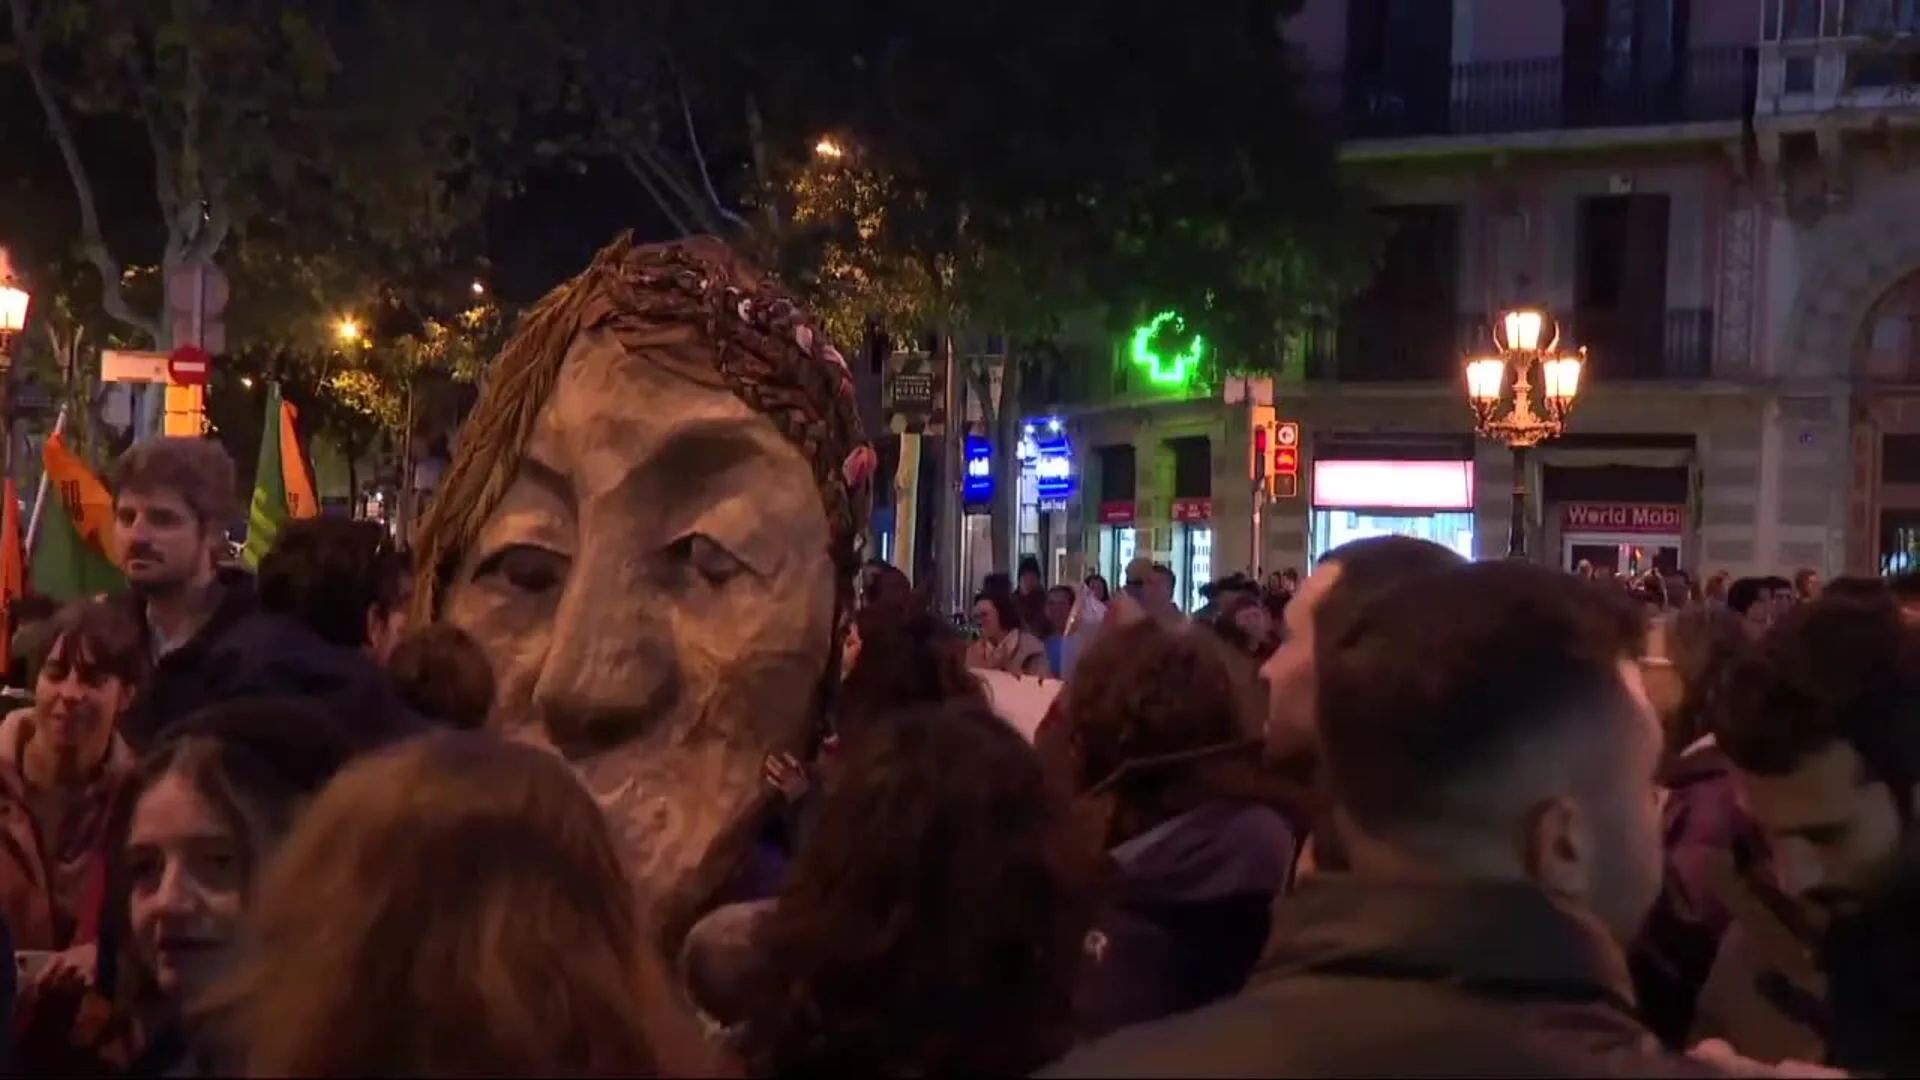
1386	347
1624	345
1504	97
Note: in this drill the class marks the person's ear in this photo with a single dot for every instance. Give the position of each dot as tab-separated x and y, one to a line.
1557	847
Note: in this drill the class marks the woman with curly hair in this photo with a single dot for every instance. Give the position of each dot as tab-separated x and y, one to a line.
1164	751
1693	659
933	926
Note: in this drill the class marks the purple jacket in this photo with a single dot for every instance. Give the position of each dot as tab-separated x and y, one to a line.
1703	824
1189	917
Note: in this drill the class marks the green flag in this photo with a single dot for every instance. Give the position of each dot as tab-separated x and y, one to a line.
66	562
269	510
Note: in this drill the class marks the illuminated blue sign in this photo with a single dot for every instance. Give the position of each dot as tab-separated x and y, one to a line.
977	491
1048	455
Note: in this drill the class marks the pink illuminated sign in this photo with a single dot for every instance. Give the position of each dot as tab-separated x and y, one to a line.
1393	485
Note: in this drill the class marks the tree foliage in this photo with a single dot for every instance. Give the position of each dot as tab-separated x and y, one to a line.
327	154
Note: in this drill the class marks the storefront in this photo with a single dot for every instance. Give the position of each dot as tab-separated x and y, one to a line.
1623	538
1190	512
1192	550
1118	537
1404	486
1047	483
1621	505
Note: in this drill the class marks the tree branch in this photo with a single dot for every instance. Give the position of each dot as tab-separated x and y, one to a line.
92	242
699	157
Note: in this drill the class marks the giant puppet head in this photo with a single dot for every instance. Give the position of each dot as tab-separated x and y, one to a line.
651	526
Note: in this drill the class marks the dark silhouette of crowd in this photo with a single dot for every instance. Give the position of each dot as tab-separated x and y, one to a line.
1405	816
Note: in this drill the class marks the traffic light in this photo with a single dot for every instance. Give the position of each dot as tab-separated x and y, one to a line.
1283	472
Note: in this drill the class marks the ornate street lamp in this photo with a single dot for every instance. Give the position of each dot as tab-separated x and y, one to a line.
1530	407
13	319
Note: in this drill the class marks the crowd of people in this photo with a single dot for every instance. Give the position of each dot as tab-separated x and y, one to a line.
1408	815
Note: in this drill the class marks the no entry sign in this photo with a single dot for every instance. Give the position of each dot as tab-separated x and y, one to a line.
189	365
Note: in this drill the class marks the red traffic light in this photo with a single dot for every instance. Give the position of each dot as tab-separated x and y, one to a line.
1286	460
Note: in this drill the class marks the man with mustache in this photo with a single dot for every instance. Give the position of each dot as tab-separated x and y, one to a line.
1823	731
651	528
173	502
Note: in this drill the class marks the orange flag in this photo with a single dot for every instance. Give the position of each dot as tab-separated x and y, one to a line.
13	572
293	466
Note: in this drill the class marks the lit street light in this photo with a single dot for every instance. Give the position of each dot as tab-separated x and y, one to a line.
348	331
479	289
828	149
13	318
1527	341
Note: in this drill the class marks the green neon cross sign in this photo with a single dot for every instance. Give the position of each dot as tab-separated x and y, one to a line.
1163	366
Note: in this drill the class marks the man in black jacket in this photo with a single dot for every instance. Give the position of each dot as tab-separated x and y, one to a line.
1823	731
1491	751
173	502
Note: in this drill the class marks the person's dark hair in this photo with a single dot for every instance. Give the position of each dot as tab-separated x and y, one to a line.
1097	585
1029	565
30	608
888	585
1709	648
1746	592
1163	570
933	925
1065	591
907	659
102	639
1373	566
997	583
329	573
1776	583
1521	651
1162	721
1002	604
256	762
197	470
441	673
1839	669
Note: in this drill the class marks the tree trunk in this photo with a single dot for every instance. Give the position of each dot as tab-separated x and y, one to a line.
1003	427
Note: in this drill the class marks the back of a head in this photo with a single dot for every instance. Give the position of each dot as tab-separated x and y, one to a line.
908	659
1708	649
1511	659
414	906
1746	592
441	672
1146	692
1370	567
1838	671
325	572
933	922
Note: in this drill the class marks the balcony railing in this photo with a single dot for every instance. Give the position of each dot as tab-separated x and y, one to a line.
1675	345
1502	97
1382	347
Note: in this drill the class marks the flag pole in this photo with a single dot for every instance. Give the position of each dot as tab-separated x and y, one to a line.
40	490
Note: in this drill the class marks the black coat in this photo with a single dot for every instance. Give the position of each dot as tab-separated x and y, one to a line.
1404	980
243	652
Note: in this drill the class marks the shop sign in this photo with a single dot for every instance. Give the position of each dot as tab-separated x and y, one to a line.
1192	511
1655	519
1118	512
977	491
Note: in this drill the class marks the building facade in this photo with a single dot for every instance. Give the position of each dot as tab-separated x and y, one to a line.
1713	197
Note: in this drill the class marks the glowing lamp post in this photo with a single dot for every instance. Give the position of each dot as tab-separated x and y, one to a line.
13	318
1521	396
